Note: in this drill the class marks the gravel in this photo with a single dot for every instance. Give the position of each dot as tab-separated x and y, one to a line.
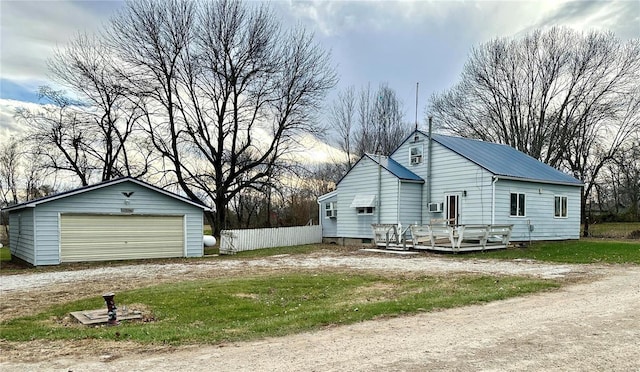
389	263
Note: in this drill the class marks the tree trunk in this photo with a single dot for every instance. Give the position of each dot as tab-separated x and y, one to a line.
583	213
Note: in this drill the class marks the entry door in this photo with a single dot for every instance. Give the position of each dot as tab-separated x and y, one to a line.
452	208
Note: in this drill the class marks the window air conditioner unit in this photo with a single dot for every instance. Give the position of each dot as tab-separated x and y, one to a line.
332	213
435	207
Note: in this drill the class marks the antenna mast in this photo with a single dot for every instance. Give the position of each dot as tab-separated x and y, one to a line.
417	84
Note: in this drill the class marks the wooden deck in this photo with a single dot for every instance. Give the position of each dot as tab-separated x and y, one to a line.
441	247
442	238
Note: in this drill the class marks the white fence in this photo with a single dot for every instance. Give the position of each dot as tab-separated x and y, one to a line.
233	241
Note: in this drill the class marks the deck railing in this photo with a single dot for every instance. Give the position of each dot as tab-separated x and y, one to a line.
444	237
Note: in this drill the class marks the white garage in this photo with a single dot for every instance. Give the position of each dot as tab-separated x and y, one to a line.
121	219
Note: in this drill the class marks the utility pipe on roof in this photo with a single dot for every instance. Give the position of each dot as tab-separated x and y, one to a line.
429	152
379	201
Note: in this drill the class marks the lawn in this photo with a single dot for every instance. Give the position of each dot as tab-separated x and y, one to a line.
5	254
613	230
216	311
573	251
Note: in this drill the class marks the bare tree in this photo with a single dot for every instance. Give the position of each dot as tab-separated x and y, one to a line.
87	67
369	122
566	98
58	131
9	164
623	179
388	121
226	91
342	116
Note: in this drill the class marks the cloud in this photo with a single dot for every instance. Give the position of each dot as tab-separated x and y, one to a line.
9	125
620	17
31	30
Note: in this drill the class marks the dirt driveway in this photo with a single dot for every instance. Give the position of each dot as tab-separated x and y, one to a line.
591	323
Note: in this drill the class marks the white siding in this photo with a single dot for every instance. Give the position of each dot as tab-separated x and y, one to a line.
539	211
363	179
452	174
329	225
410	203
21	235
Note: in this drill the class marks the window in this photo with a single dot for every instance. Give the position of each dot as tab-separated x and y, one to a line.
415	154
364	210
560	207
517	204
364	204
330	210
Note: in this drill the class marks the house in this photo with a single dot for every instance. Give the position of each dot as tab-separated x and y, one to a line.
119	219
457	180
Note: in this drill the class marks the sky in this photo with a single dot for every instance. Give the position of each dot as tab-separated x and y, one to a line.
399	43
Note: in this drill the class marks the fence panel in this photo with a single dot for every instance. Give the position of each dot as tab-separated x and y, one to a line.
233	241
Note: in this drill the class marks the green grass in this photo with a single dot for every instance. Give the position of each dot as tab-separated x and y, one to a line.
574	251
616	230
216	311
5	254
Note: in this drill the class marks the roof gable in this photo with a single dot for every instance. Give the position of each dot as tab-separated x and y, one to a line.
328	195
46	199
396	169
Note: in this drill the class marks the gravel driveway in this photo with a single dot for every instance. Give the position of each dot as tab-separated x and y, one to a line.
591	323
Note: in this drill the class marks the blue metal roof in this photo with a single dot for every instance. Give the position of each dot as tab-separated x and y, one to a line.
503	160
395	168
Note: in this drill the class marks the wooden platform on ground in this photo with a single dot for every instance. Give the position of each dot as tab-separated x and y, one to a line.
99	316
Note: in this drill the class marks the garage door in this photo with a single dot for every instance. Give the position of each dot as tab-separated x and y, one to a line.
102	237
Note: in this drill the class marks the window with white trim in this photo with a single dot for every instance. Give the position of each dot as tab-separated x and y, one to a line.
415	154
517	208
364	210
330	210
560	207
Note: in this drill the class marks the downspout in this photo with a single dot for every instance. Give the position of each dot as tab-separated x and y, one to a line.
493	200
398	222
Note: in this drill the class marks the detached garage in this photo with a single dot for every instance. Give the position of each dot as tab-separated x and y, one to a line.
120	219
